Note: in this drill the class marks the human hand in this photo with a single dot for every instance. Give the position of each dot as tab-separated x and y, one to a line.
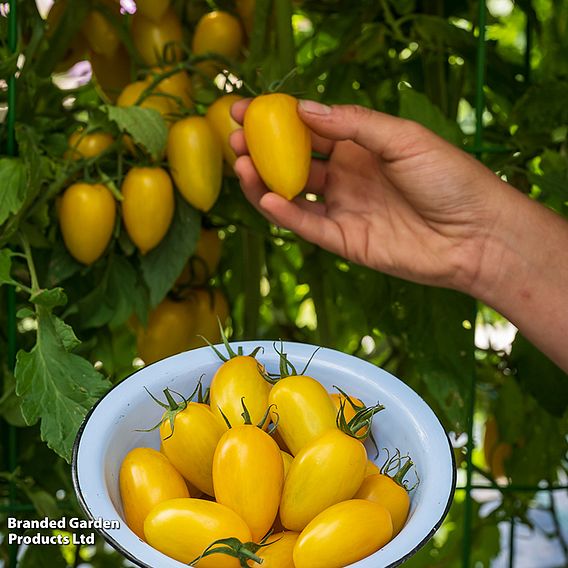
393	195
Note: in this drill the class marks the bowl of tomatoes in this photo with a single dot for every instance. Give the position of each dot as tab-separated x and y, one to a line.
262	453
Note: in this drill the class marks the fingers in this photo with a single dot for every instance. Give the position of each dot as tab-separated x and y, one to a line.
376	131
238	110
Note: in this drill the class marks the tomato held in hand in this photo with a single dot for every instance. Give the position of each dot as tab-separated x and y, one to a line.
343	534
304	410
279	143
184	528
219	117
147	478
192	141
158	41
248	474
326	471
147	206
86	216
83	145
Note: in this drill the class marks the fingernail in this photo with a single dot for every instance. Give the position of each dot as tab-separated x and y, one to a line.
314	108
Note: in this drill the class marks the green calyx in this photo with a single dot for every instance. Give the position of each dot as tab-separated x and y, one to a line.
397	467
287	368
173	408
231	354
363	419
243	551
248	420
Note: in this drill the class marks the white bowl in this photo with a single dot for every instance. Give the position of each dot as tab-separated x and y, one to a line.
109	432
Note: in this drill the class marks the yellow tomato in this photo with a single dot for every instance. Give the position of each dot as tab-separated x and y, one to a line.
170	330
279	143
86	216
348	410
147	478
304	410
160	40
385	491
183	528
100	33
131	95
372	468
111	74
192	445
153	9
245	9
278	553
217	32
178	86
239	378
326	471
287	459
204	262
219	116
343	534
147	206
87	145
207	308
248	474
192	141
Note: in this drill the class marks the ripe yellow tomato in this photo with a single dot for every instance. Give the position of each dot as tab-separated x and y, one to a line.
278	553
385	491
343	534
101	34
184	528
208	306
219	117
160	40
248	474
204	262
287	459
147	206
192	445
279	143
87	145
147	478
372	468
86	216
169	331
178	86
348	410
237	378
217	32
326	471
153	9
192	141
111	74
245	9
132	93
304	410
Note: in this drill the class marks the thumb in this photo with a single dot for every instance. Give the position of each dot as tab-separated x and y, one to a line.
376	131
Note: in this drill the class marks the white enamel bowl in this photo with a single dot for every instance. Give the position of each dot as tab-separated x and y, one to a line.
109	432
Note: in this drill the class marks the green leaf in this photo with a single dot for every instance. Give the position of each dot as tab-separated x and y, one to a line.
10	403
540	376
66	334
6	267
49	298
56	387
13	184
61	265
162	266
417	106
146	126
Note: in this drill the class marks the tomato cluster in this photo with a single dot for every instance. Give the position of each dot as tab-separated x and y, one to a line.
264	470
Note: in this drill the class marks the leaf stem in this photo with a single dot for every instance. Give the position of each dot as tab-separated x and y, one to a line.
31	265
